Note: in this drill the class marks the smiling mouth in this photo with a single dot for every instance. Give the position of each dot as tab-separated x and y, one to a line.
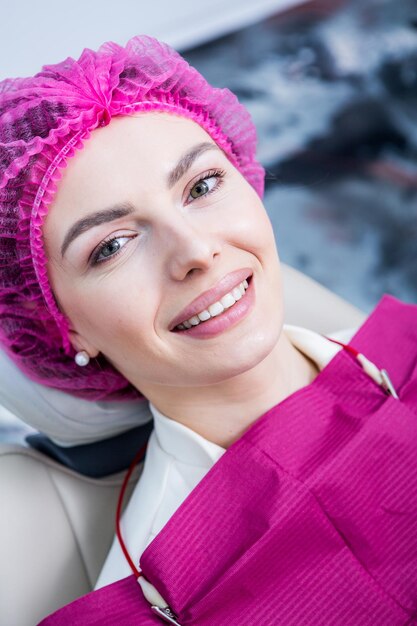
225	303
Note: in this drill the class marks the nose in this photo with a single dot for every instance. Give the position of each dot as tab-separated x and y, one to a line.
189	248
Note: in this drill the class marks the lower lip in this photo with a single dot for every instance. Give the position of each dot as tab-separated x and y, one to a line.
229	318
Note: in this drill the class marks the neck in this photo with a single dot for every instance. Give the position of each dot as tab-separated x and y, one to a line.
221	413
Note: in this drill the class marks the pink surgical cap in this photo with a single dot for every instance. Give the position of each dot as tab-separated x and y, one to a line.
44	119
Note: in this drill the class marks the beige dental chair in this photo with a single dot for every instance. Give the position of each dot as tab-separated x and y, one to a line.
56	526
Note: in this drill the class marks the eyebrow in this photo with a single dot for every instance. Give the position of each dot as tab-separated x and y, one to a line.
187	160
117	211
95	219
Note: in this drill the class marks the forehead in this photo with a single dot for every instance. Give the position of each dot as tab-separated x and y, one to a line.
144	145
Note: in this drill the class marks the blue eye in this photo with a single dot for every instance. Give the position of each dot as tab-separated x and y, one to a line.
202	187
109	248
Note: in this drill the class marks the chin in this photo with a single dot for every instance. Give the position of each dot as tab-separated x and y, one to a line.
251	353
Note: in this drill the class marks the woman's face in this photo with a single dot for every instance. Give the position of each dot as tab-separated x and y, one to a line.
122	274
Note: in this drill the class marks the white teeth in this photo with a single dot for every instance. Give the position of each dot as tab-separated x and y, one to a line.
216	308
227	300
204	315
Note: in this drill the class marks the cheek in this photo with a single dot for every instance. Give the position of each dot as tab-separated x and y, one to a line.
251	226
107	310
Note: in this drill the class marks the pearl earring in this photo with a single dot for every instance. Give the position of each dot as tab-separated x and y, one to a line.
82	358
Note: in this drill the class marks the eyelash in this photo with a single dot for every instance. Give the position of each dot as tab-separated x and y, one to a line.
217	173
104	244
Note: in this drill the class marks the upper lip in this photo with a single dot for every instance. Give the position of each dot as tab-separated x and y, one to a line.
226	284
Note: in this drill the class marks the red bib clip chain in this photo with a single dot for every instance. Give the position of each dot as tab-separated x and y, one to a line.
379	376
158	604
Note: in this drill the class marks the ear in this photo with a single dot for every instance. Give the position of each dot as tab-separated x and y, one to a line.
80	343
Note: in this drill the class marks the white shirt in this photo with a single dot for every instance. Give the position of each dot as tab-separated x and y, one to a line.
177	458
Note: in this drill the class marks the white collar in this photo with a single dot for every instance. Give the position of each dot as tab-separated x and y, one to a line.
188	447
184	444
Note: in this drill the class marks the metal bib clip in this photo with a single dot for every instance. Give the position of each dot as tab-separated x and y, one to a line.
166	614
387	384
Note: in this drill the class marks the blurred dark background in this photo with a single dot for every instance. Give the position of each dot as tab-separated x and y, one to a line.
332	88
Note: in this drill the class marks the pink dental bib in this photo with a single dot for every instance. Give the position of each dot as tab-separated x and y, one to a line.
309	518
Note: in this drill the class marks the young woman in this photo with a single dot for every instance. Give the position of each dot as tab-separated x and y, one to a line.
280	482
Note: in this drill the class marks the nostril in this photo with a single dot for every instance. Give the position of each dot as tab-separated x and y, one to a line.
192	271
